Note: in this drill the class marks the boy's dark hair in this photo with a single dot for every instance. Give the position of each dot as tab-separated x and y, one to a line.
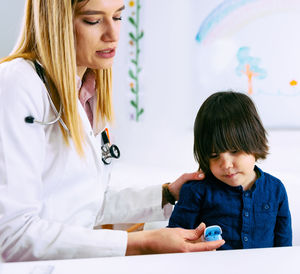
228	121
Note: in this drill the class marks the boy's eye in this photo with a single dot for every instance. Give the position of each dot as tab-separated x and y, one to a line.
214	156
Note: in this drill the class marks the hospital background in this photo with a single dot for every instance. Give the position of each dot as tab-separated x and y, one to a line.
172	55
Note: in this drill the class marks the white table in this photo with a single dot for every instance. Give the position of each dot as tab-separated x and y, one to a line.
268	260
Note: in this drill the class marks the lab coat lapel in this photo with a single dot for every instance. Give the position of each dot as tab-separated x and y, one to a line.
90	137
95	142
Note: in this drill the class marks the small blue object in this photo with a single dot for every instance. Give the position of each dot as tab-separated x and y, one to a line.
213	233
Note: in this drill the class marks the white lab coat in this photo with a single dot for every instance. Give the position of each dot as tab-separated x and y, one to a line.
50	197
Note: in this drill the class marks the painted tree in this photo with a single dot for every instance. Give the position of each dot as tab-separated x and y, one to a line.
249	66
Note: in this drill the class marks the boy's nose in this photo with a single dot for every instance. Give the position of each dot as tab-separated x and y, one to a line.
226	160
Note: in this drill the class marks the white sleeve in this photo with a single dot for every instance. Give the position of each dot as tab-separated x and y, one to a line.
137	204
23	234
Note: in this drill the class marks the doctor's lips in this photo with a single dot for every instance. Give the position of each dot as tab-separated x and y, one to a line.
106	53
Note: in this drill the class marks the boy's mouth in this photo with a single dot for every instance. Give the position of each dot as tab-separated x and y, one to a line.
231	175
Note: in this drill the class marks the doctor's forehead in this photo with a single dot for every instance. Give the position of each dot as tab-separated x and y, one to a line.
90	7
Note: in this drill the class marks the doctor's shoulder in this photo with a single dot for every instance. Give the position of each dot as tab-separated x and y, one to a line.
18	79
17	72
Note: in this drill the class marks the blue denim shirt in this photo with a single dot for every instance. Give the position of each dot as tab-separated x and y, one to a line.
259	217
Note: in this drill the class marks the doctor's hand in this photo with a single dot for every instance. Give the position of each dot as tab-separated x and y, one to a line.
175	187
169	240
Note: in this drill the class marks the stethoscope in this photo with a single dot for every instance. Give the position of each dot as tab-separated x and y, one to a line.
109	151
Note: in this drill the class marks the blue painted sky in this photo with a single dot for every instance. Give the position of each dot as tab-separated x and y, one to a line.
218	14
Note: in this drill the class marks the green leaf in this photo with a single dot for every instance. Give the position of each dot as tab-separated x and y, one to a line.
138	51
132	21
139	70
141	112
134	61
133	90
131	74
132	36
141	35
133	103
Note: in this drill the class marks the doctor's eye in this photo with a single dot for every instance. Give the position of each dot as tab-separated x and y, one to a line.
92	22
119	18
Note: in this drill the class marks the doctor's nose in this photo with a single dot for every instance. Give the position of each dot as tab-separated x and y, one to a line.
111	32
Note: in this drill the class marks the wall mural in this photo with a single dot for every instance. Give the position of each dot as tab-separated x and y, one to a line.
254	46
249	66
135	35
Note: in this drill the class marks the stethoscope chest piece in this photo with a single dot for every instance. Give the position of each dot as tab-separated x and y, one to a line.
108	151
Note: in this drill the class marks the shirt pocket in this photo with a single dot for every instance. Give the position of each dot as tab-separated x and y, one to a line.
265	214
266	207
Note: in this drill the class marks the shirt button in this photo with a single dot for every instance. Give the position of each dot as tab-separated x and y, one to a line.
247	214
267	206
246	239
247	194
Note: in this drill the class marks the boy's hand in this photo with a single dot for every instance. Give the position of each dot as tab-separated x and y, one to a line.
175	187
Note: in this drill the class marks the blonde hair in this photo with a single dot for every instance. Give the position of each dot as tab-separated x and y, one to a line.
48	36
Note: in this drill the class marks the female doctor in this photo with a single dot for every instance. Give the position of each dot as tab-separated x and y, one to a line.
55	100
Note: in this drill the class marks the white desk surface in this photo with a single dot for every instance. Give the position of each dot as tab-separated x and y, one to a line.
269	260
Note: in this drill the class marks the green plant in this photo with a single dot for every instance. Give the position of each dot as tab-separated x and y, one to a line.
134	72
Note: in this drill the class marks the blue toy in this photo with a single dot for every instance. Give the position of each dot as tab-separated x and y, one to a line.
213	233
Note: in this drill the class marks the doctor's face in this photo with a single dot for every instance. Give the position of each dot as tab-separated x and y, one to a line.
97	26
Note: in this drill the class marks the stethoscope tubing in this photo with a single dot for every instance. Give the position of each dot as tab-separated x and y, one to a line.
30	119
108	151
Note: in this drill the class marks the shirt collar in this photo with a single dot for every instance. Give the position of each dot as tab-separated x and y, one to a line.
240	188
87	86
78	82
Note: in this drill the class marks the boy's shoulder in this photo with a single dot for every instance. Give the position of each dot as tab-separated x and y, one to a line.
270	179
198	185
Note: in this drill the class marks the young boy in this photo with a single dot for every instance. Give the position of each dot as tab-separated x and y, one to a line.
250	206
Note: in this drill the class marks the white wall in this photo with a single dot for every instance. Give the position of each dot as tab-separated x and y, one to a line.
11	14
178	74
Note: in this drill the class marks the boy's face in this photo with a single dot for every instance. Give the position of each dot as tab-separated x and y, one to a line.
234	168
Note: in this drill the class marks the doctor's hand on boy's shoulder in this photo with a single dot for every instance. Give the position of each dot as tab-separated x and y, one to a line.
175	187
